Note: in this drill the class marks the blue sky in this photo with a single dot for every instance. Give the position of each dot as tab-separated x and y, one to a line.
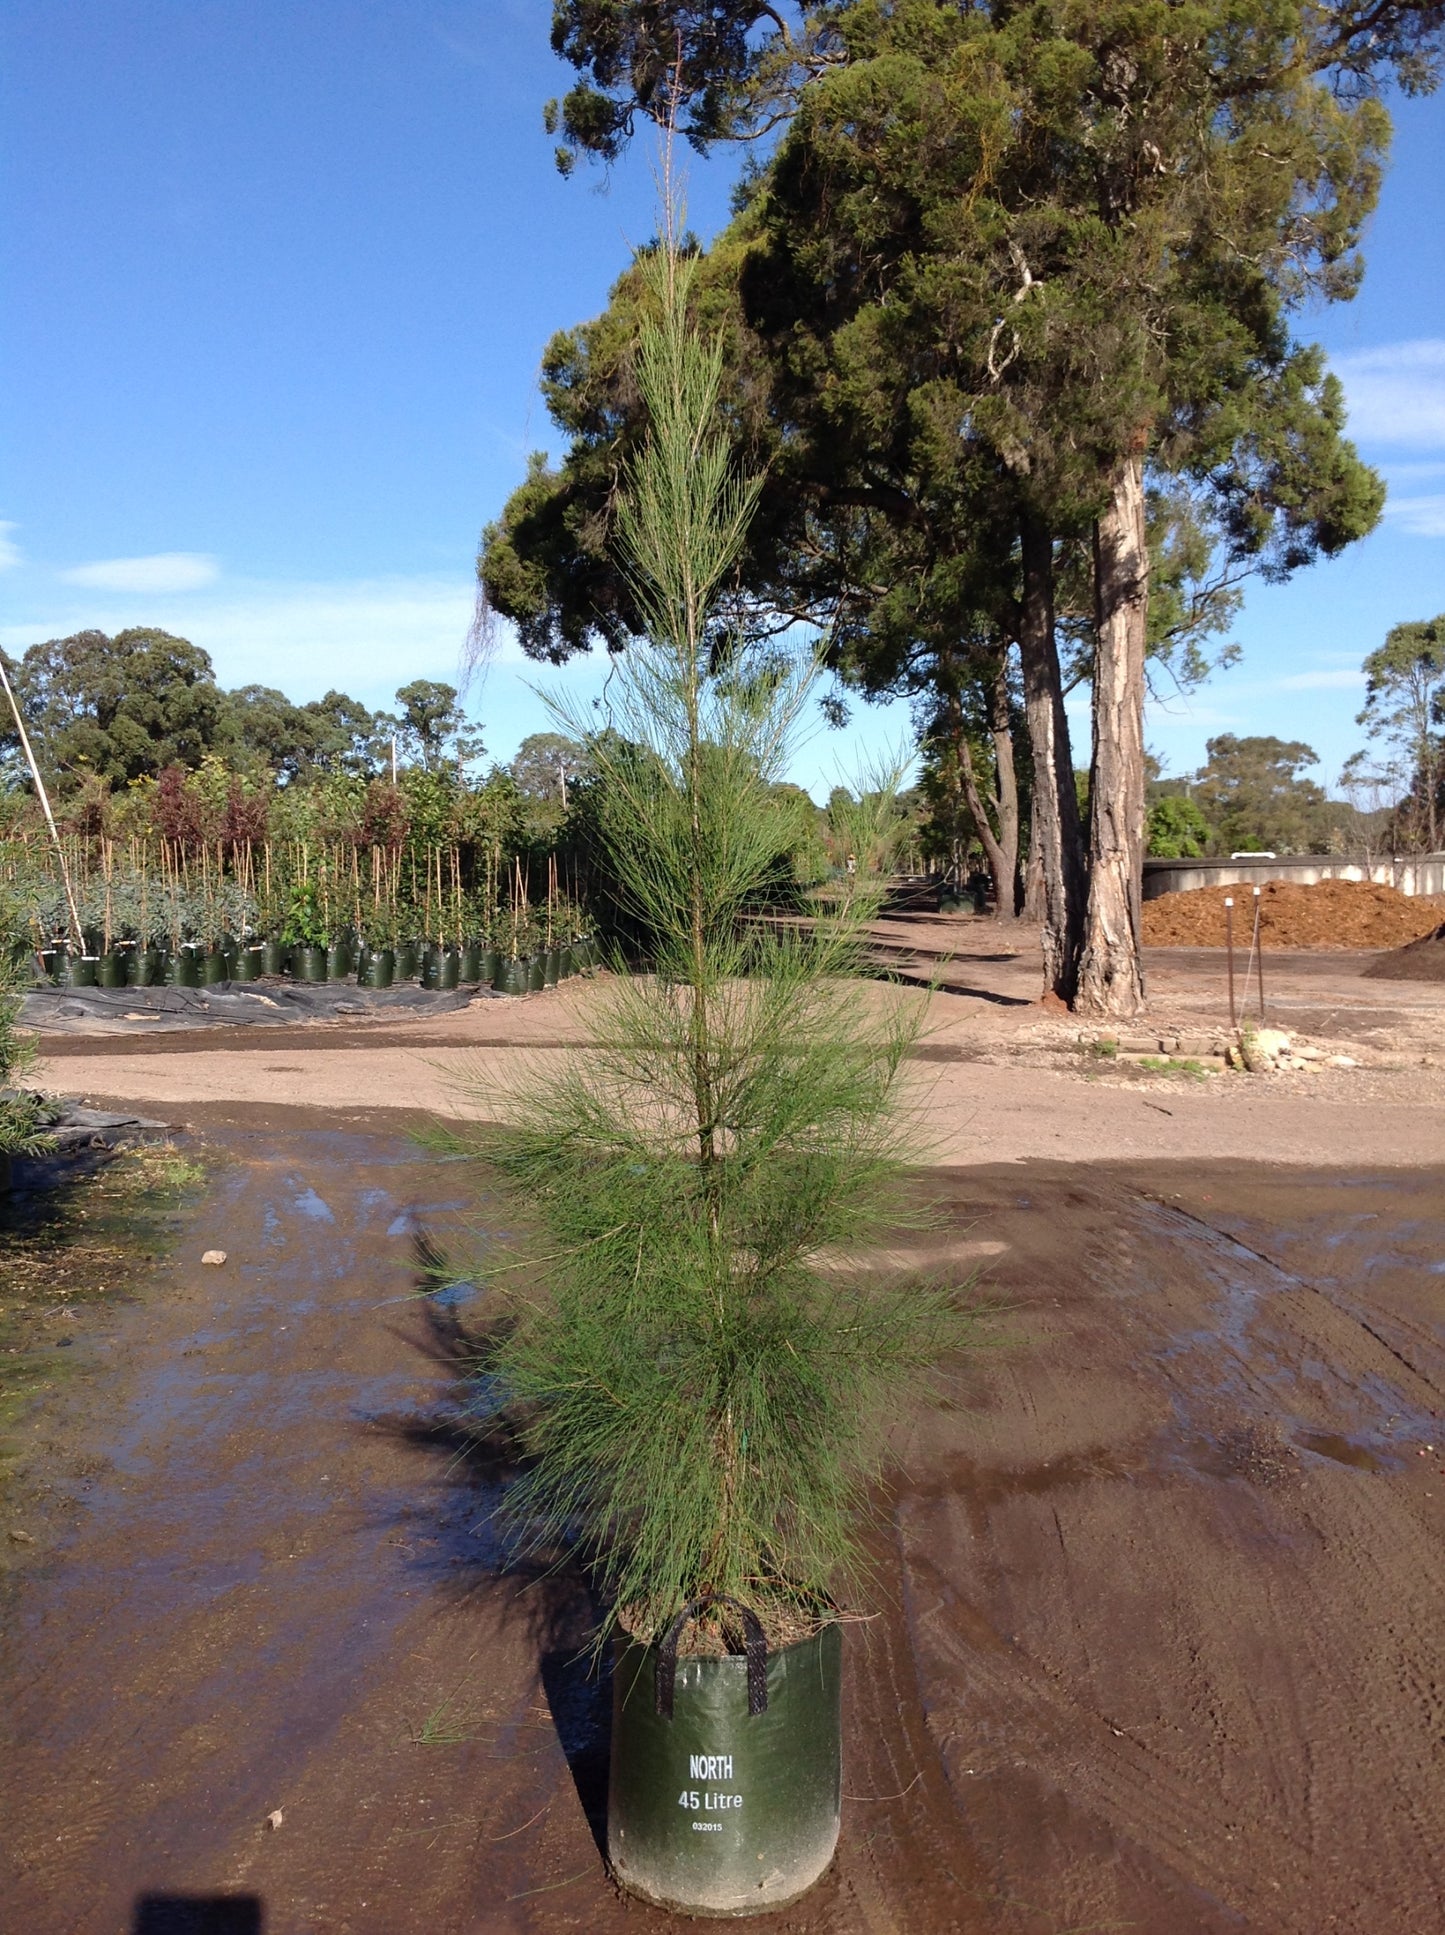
274	284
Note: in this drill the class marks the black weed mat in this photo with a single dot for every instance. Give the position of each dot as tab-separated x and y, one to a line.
267	1003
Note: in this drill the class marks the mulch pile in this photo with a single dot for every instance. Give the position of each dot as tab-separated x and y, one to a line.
1422	960
1331	913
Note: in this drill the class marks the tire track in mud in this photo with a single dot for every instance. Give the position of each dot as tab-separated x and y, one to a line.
1225	1665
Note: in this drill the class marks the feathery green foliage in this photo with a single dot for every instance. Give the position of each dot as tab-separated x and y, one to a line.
22	1119
702	1374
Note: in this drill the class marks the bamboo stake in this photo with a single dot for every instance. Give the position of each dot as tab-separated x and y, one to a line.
45	803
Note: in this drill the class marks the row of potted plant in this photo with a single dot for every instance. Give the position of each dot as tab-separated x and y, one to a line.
198	963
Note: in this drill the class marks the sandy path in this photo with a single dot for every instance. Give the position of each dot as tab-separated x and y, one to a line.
970	1112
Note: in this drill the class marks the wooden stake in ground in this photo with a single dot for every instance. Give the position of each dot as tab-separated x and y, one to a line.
1258	954
45	803
1229	951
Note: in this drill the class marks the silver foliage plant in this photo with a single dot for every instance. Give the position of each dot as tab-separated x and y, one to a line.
700	1365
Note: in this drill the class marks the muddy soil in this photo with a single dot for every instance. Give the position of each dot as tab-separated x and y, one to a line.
1157	1609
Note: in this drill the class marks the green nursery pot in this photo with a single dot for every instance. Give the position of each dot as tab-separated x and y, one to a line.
447	968
491	967
183	970
84	970
275	957
726	1785
471	964
552	966
568	965
537	973
144	968
215	966
310	964
408	960
111	972
338	962
250	963
511	978
380	968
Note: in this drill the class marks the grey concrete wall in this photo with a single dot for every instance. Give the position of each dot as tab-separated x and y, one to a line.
1421	873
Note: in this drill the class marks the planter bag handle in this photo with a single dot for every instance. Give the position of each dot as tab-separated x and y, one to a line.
754	1644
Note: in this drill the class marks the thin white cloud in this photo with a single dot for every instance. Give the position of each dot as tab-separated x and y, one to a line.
162	573
9	550
1420	516
365	637
1319	681
1396	393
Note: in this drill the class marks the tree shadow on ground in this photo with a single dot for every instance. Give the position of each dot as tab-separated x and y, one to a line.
477	1549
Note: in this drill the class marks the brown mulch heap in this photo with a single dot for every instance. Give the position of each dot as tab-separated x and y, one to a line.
1422	960
1332	913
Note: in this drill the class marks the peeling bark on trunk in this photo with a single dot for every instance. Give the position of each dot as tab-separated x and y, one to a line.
1111	975
1057	847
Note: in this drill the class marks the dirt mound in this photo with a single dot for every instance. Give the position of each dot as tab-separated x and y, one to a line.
1422	960
1331	913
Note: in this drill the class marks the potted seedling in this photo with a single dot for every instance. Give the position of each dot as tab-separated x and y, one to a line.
305	933
700	1374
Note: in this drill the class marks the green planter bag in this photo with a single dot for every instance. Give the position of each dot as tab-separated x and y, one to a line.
470	970
249	964
407	961
536	973
145	967
310	964
491	967
552	967
512	978
338	962
84	970
446	968
275	957
112	969
380	967
215	967
726	1785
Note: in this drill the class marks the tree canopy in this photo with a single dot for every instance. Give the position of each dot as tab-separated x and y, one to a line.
126	708
1010	273
1404	710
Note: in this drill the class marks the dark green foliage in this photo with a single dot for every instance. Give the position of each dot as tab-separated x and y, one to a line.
114	710
1254	799
715	69
119	708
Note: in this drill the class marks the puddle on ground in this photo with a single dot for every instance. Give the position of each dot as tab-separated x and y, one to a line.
1344	1451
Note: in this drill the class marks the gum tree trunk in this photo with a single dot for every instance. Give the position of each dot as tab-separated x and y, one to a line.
1006	803
1057	848
995	818
1111	975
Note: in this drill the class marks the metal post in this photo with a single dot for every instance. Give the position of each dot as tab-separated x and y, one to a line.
1258	954
1229	951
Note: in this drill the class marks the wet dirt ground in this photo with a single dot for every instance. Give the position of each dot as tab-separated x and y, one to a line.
1157	1614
